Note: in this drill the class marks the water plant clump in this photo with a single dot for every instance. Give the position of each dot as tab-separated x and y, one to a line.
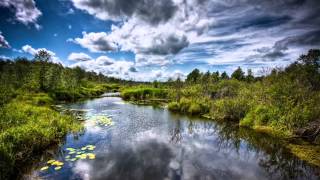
54	164
102	120
84	152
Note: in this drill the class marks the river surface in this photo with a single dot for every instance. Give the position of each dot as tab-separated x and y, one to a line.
145	142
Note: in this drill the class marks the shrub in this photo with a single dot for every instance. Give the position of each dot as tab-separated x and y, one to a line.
229	109
136	93
194	109
174	106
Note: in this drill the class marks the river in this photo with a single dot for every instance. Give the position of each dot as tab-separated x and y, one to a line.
145	142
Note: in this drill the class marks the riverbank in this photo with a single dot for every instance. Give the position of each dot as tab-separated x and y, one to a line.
29	125
202	106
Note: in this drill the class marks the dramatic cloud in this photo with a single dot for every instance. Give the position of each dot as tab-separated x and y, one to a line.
3	42
150	11
79	57
95	42
103	64
165	45
26	11
30	50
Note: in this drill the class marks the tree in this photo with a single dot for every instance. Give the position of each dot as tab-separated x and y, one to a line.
249	77
206	77
312	58
215	76
238	74
194	76
43	57
224	75
205	80
155	84
178	86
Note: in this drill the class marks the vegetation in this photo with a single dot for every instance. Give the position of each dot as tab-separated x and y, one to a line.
282	101
137	93
285	100
279	103
28	88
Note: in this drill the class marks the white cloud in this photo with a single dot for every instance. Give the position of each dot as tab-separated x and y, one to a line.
95	42
30	50
26	11
107	66
207	32
3	42
79	57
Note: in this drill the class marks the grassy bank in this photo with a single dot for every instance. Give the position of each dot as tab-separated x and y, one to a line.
28	125
144	95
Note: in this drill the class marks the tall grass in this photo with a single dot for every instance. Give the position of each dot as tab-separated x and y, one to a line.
143	93
27	126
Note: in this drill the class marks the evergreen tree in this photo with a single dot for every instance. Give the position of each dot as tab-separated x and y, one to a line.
238	74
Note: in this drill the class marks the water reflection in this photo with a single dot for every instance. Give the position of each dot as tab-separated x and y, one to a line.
152	143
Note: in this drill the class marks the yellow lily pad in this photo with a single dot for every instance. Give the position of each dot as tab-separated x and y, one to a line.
44	168
51	161
91	156
57	168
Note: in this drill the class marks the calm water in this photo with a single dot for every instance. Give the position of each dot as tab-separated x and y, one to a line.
151	143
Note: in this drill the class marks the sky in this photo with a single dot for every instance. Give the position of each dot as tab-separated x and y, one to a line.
148	40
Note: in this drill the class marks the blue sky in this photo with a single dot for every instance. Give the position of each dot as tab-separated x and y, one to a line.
151	39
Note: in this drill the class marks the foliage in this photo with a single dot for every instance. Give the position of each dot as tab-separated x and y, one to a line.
285	100
238	74
143	93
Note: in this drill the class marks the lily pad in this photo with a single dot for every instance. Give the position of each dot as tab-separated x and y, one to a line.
57	168
44	168
51	161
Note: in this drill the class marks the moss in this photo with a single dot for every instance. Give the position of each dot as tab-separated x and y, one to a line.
309	153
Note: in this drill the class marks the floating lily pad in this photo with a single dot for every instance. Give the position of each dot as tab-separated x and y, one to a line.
70	149
44	168
57	168
51	161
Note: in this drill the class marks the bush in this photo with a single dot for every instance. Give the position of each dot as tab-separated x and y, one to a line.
174	106
229	109
194	109
137	93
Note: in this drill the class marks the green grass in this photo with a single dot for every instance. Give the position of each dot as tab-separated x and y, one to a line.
189	106
27	126
143	93
91	90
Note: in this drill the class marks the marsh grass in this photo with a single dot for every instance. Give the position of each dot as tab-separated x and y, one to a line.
27	126
143	93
